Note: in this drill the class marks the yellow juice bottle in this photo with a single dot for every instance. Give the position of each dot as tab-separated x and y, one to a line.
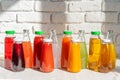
94	51
112	49
74	57
104	60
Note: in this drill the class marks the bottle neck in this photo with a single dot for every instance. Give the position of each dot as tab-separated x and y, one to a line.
26	37
10	35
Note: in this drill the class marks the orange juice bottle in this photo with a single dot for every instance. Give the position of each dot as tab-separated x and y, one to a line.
27	49
65	48
83	49
74	57
94	51
104	60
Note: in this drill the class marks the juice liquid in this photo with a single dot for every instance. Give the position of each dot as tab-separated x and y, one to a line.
9	41
104	62
84	55
65	51
46	60
74	58
94	54
28	54
18	57
112	55
37	50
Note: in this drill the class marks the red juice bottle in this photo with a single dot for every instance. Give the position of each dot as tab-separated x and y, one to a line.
46	60
65	48
18	63
38	40
9	41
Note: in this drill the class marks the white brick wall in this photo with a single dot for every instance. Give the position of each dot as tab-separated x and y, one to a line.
88	15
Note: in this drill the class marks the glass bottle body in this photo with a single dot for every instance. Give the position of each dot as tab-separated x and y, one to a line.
65	50
9	41
74	57
38	40
83	49
18	62
94	52
27	49
46	60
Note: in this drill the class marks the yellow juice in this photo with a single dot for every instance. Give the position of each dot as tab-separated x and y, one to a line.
84	55
104	61
94	53
74	58
112	55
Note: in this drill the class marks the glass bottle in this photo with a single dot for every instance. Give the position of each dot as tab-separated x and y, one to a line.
46	60
18	63
38	40
74	57
27	49
112	49
9	41
94	50
56	49
104	60
83	49
65	48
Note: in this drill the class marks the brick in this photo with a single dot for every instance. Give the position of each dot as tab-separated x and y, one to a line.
17	5
85	6
33	17
101	17
88	27
68	18
7	16
47	27
111	26
50	6
111	6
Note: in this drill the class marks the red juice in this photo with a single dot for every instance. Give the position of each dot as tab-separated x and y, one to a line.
47	62
9	41
18	63
38	40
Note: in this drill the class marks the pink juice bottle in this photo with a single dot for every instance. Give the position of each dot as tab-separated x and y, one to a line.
9	41
38	40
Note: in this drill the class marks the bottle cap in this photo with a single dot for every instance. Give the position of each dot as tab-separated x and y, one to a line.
39	32
106	40
67	32
95	32
10	32
75	40
47	40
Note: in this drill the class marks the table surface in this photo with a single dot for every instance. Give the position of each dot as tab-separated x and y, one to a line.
57	74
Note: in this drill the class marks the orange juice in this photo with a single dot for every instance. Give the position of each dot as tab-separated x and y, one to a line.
74	57
28	54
